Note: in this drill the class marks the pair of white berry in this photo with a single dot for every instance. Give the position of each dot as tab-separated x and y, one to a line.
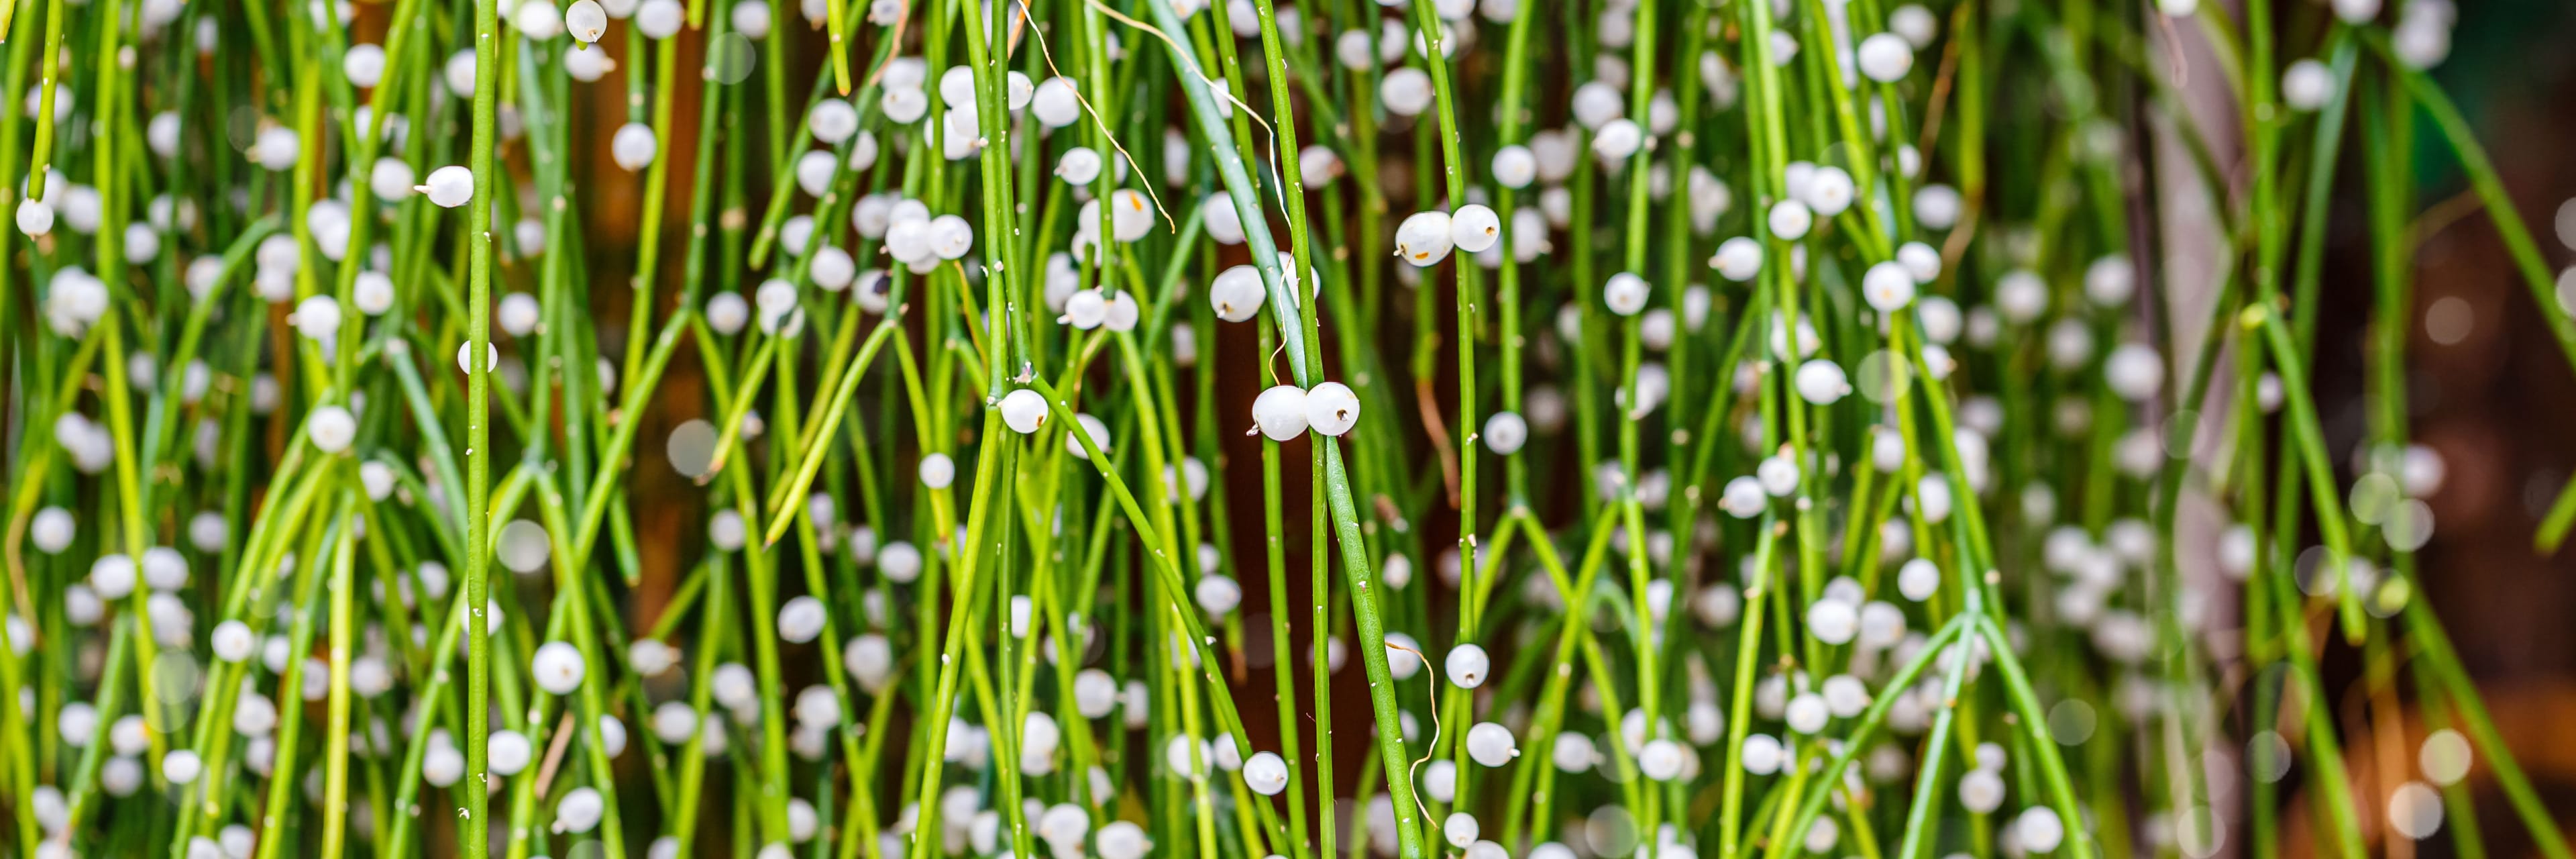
1425	238
1287	411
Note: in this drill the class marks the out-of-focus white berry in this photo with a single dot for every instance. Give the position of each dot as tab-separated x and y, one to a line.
557	667
1491	744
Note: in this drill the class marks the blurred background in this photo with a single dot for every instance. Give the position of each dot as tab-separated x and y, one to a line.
2489	390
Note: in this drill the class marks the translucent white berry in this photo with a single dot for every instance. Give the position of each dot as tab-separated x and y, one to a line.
1095	693
449	186
1596	103
1829	191
1886	57
182	766
1617	139
1491	744
539	20
1762	754
938	470
1024	410
2110	281
1832	621
1738	258
1332	408
832	121
164	569
1790	219
586	20
508	752
1919	260
1744	497
1086	426
52	530
1515	167
1918	579
578	811
2040	829
1917	24
1217	595
1937	206
1186	756
1266	774
275	149
1423	238
233	641
1475	227
1661	759
1224	223
557	667
331	428
1845	696
751	18
1406	91
35	217
1505	432
1981	791
801	620
1131	216
518	314
2134	371
1822	382
2307	85
1807	713
1121	840
1280	412
1237	293
633	146
1055	102
442	766
1888	286
1466	666
1625	294
1078	166
899	561
1460	829
2021	296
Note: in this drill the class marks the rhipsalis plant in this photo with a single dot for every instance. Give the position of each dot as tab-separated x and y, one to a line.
920	428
